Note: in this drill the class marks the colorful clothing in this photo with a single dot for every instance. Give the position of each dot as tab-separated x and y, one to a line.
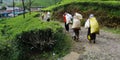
76	25
93	28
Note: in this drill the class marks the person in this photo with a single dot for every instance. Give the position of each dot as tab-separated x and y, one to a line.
64	18
93	28
48	16
45	16
42	16
67	20
76	26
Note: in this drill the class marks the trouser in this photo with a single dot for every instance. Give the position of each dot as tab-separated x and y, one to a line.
48	19
92	35
76	31
66	26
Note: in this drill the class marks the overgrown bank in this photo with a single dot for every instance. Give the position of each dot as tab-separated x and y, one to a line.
31	38
107	12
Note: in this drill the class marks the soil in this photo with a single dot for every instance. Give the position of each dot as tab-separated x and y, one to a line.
107	47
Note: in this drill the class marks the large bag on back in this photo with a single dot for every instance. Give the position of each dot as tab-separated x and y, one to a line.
94	25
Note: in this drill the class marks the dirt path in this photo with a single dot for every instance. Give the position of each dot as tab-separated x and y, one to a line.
107	47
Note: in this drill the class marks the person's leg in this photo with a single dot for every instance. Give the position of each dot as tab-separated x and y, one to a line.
77	33
89	35
48	19
74	35
67	27
94	37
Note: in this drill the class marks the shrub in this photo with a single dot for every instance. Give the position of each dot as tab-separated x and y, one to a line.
23	39
106	12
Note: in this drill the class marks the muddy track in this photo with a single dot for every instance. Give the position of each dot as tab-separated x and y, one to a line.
107	47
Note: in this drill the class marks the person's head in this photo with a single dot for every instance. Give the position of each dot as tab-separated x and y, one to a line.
91	15
48	12
65	12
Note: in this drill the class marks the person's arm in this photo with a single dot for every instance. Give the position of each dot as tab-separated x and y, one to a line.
87	24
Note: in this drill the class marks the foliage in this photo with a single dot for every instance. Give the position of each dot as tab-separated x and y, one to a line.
112	30
26	38
107	12
43	3
3	8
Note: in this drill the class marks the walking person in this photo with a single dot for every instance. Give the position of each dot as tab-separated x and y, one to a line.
93	28
42	15
76	26
67	19
48	16
64	18
45	16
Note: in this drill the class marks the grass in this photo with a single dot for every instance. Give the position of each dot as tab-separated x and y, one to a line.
112	30
12	47
43	3
106	12
65	2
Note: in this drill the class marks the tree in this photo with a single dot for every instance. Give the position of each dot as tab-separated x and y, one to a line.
1	1
14	8
4	8
23	8
30	3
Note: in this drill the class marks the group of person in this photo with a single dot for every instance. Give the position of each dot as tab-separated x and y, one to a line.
91	24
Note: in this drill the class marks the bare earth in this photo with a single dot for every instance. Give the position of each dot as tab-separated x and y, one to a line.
107	47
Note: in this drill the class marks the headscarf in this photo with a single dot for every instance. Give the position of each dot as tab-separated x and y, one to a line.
91	15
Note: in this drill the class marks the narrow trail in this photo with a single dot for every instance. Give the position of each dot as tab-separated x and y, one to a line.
107	47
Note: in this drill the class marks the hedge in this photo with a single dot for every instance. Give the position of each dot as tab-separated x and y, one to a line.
20	38
107	12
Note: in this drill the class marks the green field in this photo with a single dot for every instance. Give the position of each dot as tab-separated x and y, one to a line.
31	38
107	12
20	38
45	3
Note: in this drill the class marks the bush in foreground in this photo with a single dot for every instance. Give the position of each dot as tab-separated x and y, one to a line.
30	38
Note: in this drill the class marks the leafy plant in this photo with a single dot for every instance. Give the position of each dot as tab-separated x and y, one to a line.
106	12
26	38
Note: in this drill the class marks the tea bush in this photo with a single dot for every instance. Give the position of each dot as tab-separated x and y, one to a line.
24	38
106	12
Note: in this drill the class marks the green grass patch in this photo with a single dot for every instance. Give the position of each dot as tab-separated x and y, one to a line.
112	30
106	12
30	38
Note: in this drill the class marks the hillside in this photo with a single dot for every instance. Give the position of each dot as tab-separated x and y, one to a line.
87	0
44	3
31	38
107	12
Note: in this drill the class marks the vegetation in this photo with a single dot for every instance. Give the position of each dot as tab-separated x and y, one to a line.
33	39
44	3
107	12
30	38
112	30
